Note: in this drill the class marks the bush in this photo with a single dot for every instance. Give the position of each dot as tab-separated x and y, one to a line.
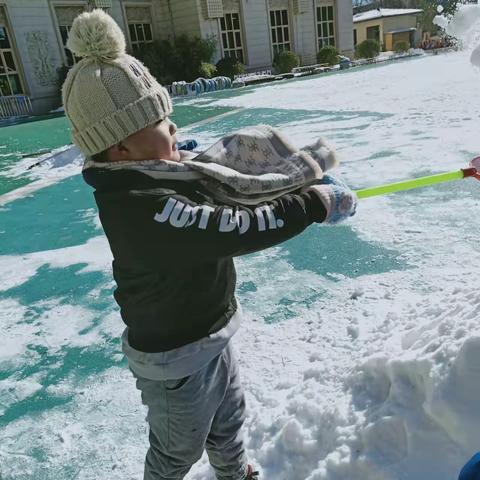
328	55
401	46
368	49
285	61
178	60
229	67
207	70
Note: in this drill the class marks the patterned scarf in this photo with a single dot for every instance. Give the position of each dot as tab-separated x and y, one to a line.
253	165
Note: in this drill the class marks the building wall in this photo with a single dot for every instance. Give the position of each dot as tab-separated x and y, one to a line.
345	27
401	21
303	29
257	34
361	29
38	45
37	50
386	24
186	17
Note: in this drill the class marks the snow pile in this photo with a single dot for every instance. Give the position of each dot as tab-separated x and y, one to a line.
465	26
415	413
409	410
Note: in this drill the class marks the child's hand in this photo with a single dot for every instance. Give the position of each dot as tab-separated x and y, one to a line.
330	180
339	201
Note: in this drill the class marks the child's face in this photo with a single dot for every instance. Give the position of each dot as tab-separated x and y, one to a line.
157	141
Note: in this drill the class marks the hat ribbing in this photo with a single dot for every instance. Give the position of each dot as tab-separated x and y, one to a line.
108	95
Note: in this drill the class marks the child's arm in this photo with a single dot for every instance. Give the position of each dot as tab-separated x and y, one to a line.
173	226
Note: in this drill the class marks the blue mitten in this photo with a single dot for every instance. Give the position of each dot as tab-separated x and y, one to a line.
187	145
339	201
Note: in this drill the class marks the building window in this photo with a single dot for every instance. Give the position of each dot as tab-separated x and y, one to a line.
325	26
373	33
354	36
279	27
65	17
10	83
140	34
232	36
139	21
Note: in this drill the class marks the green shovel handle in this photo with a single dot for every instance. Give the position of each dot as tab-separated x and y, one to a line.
418	182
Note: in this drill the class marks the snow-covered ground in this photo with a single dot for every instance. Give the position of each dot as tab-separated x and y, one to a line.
353	369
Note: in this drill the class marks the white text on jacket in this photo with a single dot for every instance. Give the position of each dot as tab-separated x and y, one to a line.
181	215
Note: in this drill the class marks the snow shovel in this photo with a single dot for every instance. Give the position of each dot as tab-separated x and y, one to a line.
472	171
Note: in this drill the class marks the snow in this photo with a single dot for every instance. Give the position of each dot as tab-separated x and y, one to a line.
348	375
465	26
383	12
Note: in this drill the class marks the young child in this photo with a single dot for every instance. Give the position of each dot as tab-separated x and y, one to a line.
173	244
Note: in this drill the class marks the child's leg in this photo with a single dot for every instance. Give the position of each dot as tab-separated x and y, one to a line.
225	441
180	415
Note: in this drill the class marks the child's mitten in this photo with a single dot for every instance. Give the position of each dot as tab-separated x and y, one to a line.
187	145
339	201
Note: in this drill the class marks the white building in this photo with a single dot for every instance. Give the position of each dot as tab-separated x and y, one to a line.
33	34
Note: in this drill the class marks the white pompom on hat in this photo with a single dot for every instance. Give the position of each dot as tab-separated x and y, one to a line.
97	35
108	95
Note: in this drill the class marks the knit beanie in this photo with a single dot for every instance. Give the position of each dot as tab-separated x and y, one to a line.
108	95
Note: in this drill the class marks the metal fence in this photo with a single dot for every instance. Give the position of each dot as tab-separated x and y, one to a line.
15	106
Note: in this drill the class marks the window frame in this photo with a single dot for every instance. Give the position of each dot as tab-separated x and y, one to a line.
321	23
234	31
13	50
279	28
132	44
378	35
62	46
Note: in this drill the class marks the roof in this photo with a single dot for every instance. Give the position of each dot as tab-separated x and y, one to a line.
384	12
401	30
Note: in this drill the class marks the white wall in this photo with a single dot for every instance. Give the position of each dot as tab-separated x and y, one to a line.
186	17
28	17
257	34
345	26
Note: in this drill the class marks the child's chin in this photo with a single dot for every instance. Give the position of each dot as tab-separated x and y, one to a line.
175	156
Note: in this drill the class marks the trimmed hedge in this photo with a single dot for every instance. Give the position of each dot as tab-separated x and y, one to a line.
368	49
401	46
285	61
179	60
229	67
329	55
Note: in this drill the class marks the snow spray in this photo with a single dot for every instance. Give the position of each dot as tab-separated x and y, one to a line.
465	26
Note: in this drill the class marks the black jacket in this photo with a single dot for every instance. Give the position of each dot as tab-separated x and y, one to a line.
173	247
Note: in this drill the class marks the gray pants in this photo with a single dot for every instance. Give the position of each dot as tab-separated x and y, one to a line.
205	410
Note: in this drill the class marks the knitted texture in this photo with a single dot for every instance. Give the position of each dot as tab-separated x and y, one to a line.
108	95
339	201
